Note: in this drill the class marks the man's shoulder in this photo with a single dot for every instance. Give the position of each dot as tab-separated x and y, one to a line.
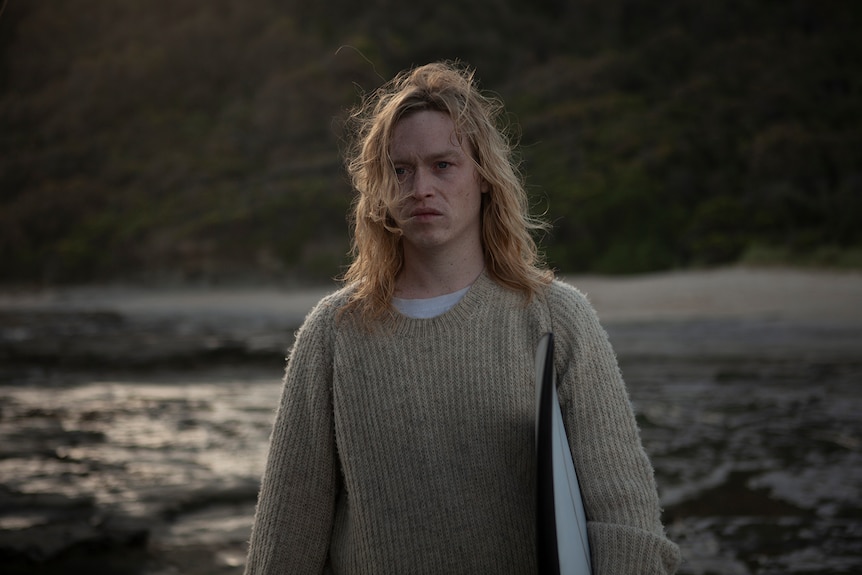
562	290
566	300
326	309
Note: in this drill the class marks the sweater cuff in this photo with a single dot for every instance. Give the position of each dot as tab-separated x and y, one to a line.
625	550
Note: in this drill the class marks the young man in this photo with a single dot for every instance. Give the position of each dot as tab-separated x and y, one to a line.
404	441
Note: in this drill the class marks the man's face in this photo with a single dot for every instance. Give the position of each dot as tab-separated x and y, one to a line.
440	184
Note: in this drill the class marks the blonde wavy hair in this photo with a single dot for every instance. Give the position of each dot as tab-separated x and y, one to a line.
511	255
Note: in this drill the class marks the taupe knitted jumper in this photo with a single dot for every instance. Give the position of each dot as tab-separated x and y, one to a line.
410	448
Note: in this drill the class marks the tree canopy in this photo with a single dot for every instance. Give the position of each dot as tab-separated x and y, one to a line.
201	140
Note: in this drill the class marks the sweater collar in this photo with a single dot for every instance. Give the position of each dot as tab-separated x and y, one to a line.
479	295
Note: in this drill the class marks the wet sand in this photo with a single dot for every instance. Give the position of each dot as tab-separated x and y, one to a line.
135	421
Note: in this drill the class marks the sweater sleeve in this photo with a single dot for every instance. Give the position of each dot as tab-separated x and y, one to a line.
296	503
614	471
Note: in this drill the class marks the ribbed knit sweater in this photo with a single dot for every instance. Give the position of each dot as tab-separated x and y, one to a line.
409	447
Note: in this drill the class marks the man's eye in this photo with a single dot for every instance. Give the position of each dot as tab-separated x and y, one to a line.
402	175
443	165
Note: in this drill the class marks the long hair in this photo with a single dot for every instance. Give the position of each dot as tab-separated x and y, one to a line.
511	255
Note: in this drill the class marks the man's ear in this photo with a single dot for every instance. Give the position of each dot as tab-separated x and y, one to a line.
484	186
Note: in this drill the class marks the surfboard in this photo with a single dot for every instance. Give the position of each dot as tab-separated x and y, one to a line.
561	523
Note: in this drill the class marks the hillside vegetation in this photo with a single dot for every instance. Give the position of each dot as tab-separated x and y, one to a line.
200	141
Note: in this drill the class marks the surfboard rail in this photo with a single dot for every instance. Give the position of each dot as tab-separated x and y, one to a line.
561	524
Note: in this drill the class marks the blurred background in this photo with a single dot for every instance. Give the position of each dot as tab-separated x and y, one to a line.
172	203
179	140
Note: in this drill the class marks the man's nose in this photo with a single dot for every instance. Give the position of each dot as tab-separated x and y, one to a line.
422	183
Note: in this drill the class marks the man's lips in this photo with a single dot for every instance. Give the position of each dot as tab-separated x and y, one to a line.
424	212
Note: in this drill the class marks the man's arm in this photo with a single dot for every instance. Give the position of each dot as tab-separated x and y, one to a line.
296	503
615	474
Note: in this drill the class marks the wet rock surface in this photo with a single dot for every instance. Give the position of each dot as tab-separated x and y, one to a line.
132	439
759	462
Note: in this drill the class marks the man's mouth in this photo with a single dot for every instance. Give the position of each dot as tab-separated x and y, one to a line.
424	213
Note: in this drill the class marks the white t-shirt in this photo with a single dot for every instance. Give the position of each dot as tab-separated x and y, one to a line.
428	307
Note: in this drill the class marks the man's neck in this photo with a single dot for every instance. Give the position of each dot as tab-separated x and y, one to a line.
431	277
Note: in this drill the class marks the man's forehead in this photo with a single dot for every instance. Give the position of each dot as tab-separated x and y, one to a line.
430	143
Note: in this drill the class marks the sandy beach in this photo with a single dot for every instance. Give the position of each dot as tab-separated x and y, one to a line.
738	293
727	293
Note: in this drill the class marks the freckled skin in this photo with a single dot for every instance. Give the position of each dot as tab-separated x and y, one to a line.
441	217
441	182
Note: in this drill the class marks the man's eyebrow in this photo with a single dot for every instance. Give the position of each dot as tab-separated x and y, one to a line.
446	154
